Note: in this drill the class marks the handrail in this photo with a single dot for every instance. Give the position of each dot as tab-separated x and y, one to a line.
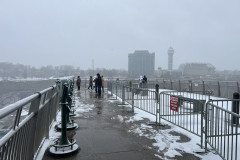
13	107
27	133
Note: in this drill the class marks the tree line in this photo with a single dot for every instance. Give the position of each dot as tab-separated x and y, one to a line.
9	70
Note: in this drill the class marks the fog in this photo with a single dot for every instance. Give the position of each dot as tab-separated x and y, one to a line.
58	32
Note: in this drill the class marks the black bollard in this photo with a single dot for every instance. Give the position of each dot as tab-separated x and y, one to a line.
235	107
157	92
130	86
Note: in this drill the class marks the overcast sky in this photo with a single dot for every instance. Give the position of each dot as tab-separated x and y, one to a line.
57	32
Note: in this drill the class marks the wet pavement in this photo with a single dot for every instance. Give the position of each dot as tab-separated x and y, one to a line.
101	136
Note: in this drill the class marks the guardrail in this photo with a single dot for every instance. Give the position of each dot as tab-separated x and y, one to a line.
141	98
222	128
184	109
27	132
194	111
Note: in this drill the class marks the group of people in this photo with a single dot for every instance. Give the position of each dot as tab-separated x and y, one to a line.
96	83
143	81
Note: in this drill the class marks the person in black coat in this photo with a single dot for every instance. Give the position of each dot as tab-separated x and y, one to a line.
99	84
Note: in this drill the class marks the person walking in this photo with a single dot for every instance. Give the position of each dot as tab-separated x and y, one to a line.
144	81
102	84
90	82
99	84
78	83
95	84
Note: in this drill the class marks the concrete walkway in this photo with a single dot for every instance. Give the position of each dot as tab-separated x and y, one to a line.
102	137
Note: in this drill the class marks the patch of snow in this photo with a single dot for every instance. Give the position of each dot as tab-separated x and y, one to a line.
166	142
24	113
53	135
120	118
82	108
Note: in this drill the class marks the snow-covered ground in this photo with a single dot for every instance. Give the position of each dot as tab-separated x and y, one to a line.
164	140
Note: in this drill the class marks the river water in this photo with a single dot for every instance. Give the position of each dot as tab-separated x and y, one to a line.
12	91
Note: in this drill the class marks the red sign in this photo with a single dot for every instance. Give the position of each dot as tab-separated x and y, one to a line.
174	103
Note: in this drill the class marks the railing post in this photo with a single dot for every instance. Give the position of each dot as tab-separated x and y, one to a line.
171	85
157	98
235	107
206	126
219	90
111	84
164	87
203	87
130	86
133	99
157	91
238	89
123	95
116	90
202	129
179	85
190	85
34	107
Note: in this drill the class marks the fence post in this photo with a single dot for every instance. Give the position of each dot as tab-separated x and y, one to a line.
34	107
190	85
179	85
157	98
235	107
206	126
111	88
130	86
157	91
164	87
171	85
133	99
116	90
123	95
238	89
219	90
203	87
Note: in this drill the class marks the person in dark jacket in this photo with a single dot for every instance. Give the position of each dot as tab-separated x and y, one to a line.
95	84
90	83
144	81
78	82
99	84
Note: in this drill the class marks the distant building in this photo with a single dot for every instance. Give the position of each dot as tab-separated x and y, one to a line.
141	62
170	58
197	69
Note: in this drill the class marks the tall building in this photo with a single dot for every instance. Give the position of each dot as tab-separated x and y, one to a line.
141	62
170	58
197	69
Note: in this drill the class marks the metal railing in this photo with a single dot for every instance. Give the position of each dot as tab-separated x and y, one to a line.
141	98
222	128
212	120
27	132
189	111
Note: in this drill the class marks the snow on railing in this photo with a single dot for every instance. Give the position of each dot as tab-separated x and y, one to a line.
27	131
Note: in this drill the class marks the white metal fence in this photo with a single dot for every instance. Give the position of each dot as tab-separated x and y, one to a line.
212	120
28	122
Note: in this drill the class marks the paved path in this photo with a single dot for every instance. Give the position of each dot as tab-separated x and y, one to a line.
102	137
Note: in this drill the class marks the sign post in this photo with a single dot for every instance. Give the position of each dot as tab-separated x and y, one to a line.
174	103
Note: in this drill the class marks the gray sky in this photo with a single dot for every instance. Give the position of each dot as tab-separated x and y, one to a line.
57	32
